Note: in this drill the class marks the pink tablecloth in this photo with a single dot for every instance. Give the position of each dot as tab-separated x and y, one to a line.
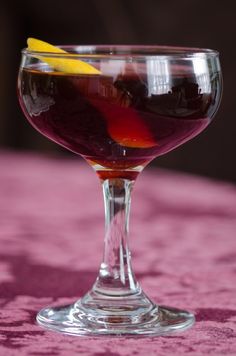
51	233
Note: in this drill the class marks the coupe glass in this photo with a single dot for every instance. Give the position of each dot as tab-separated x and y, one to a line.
146	101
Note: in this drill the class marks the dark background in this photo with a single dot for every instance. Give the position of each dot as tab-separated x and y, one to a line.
193	23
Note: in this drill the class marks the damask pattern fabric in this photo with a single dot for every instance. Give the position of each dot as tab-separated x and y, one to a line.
182	240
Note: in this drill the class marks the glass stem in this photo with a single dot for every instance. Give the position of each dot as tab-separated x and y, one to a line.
116	277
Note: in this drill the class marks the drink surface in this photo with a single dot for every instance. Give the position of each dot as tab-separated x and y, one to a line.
117	122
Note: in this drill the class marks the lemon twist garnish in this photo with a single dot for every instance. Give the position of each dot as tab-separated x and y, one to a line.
66	65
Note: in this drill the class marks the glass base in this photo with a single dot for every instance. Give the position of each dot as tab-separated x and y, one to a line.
76	320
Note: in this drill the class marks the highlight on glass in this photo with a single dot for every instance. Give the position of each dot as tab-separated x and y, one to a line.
118	107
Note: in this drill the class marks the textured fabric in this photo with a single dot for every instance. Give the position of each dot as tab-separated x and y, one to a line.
51	234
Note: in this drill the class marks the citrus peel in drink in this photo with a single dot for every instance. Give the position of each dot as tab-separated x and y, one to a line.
126	131
125	126
65	65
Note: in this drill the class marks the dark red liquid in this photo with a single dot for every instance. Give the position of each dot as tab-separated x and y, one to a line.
115	122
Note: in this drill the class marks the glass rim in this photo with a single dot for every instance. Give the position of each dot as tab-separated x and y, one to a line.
126	51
